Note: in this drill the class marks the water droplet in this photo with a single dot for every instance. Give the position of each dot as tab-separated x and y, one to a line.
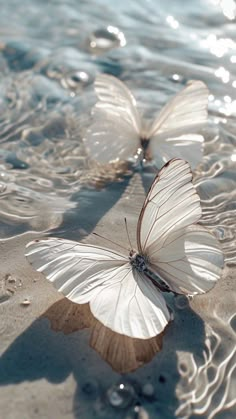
181	301
75	80
25	303
183	368
103	40
176	77
121	395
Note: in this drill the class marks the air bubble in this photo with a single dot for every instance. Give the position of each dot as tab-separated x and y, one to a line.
148	390
181	301
183	368
75	80
121	395
103	40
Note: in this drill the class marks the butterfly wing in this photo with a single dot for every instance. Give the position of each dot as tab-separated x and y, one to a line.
114	131
190	261
186	257
120	298
188	109
188	147
187	112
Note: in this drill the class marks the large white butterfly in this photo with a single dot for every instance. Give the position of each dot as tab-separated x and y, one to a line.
117	130
124	291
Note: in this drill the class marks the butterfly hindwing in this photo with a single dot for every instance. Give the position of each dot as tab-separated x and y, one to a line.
190	261
188	147
119	297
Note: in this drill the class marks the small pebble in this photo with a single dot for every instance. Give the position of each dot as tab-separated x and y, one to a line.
25	303
10	279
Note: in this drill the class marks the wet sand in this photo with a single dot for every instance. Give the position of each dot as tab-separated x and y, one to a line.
48	374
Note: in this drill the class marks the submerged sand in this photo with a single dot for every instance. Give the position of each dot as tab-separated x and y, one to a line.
47	374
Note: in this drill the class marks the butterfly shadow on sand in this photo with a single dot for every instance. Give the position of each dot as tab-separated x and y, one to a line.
42	353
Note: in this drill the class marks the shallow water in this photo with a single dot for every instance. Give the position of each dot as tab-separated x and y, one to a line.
49	56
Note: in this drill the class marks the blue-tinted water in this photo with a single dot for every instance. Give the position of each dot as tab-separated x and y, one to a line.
50	53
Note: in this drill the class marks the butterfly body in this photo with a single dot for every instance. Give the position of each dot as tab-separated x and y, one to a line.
138	261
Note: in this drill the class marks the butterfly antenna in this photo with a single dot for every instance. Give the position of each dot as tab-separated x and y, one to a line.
126	227
105	238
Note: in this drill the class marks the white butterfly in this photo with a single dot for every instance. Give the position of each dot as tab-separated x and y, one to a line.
124	290
117	130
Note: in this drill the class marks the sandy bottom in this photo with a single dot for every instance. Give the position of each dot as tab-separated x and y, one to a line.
47	374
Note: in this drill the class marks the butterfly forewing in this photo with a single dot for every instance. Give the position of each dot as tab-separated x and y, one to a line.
119	296
114	131
70	265
185	113
187	257
171	203
116	98
188	109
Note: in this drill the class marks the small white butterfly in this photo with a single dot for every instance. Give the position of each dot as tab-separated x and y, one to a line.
117	130
124	290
